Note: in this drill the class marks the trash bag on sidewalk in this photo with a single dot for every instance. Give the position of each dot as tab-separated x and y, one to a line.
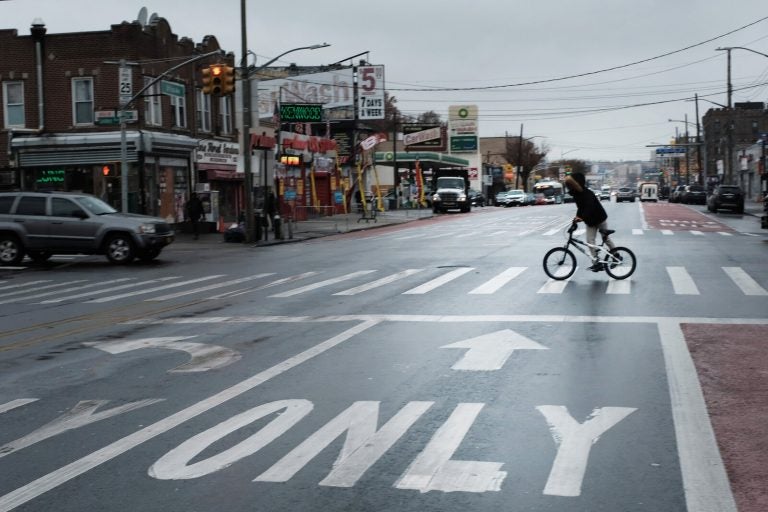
235	233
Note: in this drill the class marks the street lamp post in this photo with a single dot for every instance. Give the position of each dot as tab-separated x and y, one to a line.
246	150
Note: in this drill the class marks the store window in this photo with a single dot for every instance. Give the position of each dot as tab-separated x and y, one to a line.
82	101
203	111
13	104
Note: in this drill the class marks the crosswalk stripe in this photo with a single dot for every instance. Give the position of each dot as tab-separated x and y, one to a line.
284	280
666	232
24	285
619	287
681	281
39	288
492	285
155	289
209	287
724	233
108	290
380	282
439	281
69	290
745	282
637	231
553	286
697	233
327	282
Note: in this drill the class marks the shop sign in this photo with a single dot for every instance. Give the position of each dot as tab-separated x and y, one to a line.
463	143
301	113
50	176
423	137
217	152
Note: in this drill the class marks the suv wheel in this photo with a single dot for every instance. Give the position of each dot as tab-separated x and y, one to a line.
120	250
11	251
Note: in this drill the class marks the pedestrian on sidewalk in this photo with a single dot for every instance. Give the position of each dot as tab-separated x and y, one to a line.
194	212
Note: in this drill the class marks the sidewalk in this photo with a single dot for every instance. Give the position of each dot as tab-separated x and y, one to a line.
299	231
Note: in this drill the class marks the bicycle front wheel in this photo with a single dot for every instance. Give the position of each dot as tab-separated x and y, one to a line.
621	264
559	263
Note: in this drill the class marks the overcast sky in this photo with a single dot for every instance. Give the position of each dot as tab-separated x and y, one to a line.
470	46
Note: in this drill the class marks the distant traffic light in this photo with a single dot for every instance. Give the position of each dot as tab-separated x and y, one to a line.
107	170
227	80
207	80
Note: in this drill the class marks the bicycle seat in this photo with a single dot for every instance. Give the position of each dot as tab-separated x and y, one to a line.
607	232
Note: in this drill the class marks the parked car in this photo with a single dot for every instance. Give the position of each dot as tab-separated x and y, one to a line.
694	194
625	194
500	199
724	197
476	197
41	224
676	194
516	198
649	192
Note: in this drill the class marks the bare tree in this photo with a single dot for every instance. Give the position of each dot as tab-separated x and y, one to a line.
526	155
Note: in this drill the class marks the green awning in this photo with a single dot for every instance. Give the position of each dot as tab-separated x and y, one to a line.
426	159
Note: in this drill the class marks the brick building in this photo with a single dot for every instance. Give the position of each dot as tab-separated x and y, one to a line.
60	94
728	136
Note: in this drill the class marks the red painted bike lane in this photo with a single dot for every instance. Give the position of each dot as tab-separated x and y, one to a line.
678	217
732	364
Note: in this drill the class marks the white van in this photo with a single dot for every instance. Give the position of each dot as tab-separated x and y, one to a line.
649	192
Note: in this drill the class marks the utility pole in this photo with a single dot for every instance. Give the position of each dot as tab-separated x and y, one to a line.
520	160
246	131
698	143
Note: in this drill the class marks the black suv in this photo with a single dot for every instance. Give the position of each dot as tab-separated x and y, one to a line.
726	197
41	224
694	194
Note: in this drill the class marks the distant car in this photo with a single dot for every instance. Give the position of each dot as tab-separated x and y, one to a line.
649	192
625	194
694	194
540	199
676	194
500	199
567	197
724	197
476	198
605	192
516	198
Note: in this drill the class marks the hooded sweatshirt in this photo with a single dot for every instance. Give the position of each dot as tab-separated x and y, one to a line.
588	206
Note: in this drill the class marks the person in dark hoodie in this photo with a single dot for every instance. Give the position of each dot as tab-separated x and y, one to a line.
589	209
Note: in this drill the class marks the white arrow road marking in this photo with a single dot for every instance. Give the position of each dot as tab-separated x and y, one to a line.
84	413
16	403
204	356
491	351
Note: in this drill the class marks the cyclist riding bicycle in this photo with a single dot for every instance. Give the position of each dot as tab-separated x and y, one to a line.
589	209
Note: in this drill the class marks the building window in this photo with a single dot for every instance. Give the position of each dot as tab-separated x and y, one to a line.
13	94
82	100
179	108
153	113
225	111
203	111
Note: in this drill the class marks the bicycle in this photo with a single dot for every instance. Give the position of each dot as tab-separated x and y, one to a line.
560	262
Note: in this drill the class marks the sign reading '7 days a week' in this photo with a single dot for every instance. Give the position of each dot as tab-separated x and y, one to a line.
301	113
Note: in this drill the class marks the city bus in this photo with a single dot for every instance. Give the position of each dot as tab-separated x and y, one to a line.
551	190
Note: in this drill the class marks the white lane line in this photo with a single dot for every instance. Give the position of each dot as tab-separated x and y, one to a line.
108	290
619	287
39	288
380	282
493	285
637	231
13	404
74	469
155	289
745	282
553	286
327	282
72	289
681	281
697	233
209	287
439	281
724	233
666	232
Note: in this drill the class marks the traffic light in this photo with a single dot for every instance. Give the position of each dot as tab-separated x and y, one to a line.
212	79
107	170
227	80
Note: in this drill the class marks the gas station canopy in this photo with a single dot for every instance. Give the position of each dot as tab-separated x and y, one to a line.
425	159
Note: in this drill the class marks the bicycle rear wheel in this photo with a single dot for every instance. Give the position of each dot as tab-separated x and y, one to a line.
622	263
559	263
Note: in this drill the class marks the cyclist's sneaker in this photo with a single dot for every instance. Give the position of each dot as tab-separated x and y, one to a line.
597	267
